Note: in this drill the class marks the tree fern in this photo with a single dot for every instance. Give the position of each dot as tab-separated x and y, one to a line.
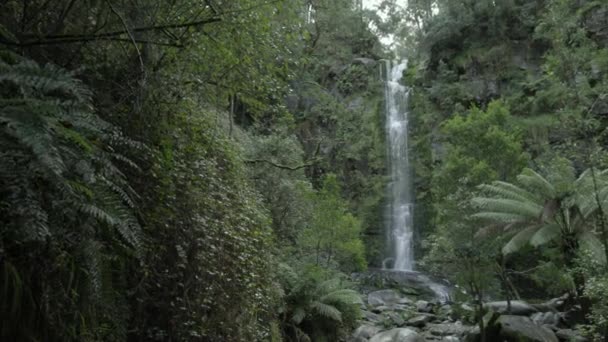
539	213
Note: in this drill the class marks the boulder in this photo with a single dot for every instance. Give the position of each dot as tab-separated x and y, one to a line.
450	339
383	297
418	321
365	332
448	329
396	318
371	317
518	307
424	306
522	329
382	308
546	318
569	335
405	301
397	335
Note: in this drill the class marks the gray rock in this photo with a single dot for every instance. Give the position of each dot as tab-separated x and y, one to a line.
396	318
371	317
548	318
383	297
473	335
467	307
518	307
450	339
569	335
405	301
397	335
449	329
365	332
364	61
522	329
401	307
418	321
447	312
424	306
382	308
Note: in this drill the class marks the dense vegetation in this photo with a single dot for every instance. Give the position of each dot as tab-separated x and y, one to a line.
183	170
509	106
215	170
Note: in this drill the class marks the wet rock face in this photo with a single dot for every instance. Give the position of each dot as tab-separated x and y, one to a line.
596	21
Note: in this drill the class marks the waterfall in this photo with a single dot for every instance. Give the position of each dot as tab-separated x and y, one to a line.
400	230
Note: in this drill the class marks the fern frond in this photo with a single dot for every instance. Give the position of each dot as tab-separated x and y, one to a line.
508	206
545	234
500	217
97	213
531	179
520	239
298	315
507	190
327	311
344	296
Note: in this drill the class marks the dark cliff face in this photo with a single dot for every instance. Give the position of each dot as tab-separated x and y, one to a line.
595	20
340	120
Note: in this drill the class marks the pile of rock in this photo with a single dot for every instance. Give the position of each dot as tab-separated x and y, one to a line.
393	316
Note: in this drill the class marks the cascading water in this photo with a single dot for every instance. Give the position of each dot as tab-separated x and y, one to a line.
400	230
399	211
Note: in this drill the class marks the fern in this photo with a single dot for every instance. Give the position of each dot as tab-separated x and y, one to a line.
64	194
327	310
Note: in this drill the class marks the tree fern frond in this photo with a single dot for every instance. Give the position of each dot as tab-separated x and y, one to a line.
508	206
500	217
531	179
345	296
520	239
590	242
507	190
44	80
97	213
329	285
545	234
298	315
327	311
124	196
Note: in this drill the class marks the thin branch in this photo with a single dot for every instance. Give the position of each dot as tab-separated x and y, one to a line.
124	24
72	38
280	166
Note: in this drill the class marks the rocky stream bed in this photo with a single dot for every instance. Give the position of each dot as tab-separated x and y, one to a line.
400	307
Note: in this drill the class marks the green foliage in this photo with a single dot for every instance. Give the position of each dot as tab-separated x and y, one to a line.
66	209
333	234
